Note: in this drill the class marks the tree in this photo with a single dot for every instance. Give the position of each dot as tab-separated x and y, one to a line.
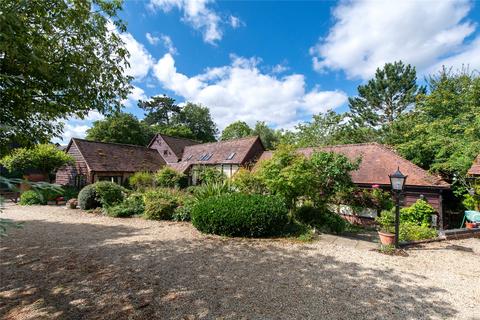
45	158
235	130
159	110
120	128
389	94
269	136
58	59
199	120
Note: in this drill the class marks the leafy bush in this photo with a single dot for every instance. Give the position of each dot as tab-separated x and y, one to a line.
43	157
210	175
132	205
320	218
184	211
212	189
87	198
168	178
374	198
69	192
31	197
410	231
142	180
420	213
109	193
160	204
239	214
249	182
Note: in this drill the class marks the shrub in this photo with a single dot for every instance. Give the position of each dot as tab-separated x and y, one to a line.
210	175
142	180
109	193
321	218
184	211
241	215
87	198
246	181
160	204
212	189
132	205
410	231
420	213
31	197
168	178
69	192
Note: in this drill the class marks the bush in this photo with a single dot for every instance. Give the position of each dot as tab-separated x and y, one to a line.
132	205
142	180
31	197
69	193
239	214
212	189
160	204
184	211
87	198
420	213
168	178
246	181
109	193
321	218
210	175
410	231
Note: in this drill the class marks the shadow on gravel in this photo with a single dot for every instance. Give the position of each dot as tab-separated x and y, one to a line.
201	279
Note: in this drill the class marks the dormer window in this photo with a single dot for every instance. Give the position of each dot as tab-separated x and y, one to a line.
208	156
189	157
231	156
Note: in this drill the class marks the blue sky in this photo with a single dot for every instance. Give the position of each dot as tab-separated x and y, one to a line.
281	62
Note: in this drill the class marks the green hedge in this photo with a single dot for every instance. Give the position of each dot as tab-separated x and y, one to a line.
321	218
31	197
160	204
87	198
109	193
241	215
132	205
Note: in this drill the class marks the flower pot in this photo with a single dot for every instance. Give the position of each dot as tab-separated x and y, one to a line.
471	225
386	238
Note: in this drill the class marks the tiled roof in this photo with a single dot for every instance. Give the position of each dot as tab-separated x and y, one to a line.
475	169
378	162
222	152
116	157
175	143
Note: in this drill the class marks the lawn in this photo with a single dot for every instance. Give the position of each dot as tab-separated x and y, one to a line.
77	265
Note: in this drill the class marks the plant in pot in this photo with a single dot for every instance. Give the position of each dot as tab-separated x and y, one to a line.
386	233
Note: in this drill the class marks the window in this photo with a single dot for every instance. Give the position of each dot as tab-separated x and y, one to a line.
207	156
189	157
231	156
202	156
165	152
80	181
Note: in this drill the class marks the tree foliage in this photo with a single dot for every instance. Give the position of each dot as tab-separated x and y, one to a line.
240	129
58	59
120	128
236	130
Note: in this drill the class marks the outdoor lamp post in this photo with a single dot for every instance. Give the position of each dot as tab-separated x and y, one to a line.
397	181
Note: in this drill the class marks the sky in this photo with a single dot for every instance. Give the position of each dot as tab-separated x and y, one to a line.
283	61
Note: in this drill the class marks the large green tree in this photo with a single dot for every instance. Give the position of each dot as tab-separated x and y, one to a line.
269	136
236	130
120	128
159	110
58	59
384	98
199	120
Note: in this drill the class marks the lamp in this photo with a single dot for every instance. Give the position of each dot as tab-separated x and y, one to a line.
397	181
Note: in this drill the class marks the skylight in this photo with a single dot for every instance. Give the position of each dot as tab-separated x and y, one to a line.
231	155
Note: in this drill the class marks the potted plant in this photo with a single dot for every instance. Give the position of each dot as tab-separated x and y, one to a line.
386	233
471	225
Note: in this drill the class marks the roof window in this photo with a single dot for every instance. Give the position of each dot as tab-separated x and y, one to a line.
231	156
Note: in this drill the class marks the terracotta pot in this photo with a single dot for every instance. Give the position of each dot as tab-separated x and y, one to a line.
386	238
471	225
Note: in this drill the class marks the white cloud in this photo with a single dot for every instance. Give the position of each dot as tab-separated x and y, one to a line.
153	40
140	59
168	44
198	15
71	130
240	91
367	34
136	94
235	22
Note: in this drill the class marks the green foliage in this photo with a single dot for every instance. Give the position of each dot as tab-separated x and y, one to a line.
320	218
410	231
120	127
211	189
209	174
472	201
168	178
141	181
374	198
241	215
87	198
236	130
418	213
317	178
43	157
192	121
58	59
385	97
109	193
184	211
269	137
160	204
132	205
246	181
31	197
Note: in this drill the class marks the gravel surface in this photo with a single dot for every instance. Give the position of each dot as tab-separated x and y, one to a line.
67	264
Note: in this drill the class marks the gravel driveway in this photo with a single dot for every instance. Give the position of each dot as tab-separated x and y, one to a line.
67	264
